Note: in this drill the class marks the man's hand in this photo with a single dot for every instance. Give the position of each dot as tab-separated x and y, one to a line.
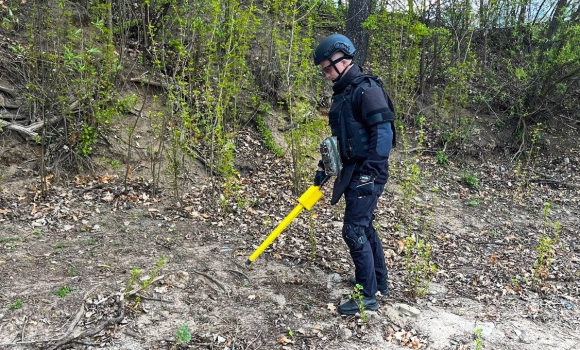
319	177
365	186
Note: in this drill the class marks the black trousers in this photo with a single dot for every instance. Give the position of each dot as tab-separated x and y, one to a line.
366	249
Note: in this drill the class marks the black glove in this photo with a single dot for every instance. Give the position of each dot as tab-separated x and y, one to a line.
365	186
319	178
320	175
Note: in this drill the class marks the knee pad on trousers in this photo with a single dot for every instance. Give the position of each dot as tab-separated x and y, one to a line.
354	236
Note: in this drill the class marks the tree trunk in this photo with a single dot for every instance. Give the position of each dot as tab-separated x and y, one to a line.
422	73
554	22
535	95
522	14
436	42
576	15
358	12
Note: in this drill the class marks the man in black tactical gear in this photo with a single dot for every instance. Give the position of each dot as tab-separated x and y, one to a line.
362	118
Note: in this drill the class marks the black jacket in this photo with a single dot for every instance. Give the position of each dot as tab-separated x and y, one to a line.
370	108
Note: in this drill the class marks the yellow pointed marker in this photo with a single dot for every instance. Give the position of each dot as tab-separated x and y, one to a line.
307	200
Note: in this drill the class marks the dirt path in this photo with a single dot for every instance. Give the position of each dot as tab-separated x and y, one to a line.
94	264
83	247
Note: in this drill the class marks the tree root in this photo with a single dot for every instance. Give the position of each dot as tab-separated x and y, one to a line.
221	285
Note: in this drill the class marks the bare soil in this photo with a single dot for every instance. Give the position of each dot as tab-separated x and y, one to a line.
66	259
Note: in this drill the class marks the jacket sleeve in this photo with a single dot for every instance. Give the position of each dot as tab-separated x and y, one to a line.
377	116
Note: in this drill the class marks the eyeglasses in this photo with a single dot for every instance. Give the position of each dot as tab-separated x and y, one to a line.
331	65
328	69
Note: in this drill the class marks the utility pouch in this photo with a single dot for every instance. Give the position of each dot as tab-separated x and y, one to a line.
331	156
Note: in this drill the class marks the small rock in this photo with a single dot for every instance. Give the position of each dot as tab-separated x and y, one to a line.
143	321
345	333
160	290
437	289
408	310
279	299
390	253
183	275
333	278
219	339
501	169
568	305
486	328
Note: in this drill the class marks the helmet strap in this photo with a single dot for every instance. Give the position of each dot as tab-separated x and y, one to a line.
333	64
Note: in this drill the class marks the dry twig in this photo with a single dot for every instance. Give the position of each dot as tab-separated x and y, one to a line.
241	273
220	284
79	314
91	332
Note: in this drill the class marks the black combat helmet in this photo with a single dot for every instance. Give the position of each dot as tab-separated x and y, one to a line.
332	44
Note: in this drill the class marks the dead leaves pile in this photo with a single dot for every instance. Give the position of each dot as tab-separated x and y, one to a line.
409	339
488	257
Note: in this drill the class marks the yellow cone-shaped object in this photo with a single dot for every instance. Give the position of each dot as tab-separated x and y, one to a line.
307	200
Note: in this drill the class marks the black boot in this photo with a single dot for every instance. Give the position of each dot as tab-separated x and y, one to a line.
351	307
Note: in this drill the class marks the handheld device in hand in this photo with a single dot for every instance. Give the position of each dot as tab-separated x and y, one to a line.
331	156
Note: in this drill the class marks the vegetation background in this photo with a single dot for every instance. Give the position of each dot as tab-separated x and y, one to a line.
214	67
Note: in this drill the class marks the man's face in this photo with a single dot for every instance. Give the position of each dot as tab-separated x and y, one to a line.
328	69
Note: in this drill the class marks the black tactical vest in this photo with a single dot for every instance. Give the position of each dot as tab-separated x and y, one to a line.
353	138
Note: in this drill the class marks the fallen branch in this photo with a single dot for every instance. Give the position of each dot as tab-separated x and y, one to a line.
12	117
78	315
8	90
23	328
17	127
556	182
154	299
148	81
30	130
241	273
221	285
91	332
548	180
8	106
